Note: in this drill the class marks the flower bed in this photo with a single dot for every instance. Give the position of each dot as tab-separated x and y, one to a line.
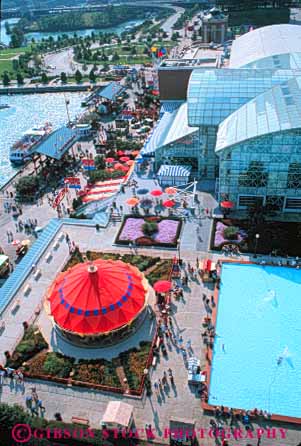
283	238
220	235
97	372
31	344
131	230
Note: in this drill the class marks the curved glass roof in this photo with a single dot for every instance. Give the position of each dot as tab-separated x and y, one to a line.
265	42
282	61
171	127
278	109
213	94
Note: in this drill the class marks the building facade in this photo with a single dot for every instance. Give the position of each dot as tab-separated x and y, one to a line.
241	125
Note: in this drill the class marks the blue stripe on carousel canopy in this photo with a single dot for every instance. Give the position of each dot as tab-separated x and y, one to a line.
112	307
95	312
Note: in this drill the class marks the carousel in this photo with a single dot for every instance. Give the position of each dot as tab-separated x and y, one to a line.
99	303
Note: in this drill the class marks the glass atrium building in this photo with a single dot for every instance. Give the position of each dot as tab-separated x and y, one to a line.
242	125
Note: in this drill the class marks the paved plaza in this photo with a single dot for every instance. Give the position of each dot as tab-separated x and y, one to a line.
178	403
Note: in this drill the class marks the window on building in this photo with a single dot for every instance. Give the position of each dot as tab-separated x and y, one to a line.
294	176
274	202
254	176
293	204
250	200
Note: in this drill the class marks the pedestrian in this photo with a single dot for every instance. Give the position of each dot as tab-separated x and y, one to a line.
180	341
188	345
67	238
28	402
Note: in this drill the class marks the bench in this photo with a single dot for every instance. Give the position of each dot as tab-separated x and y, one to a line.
154	362
37	274
56	245
26	289
82	421
61	236
48	257
16	306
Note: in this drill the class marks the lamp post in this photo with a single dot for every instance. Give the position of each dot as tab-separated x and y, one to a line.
179	249
257	236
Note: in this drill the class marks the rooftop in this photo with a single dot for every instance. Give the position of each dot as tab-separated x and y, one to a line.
266	42
278	109
111	91
171	127
57	144
213	94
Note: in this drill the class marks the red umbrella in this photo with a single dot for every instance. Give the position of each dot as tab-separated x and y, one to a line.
124	168
227	204
110	160
169	203
97	298
118	166
156	192
162	286
124	159
120	153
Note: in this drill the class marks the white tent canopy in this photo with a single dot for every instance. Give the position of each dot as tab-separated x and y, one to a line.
118	414
173	175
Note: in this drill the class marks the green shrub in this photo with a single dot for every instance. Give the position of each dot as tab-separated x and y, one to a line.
58	365
150	228
231	233
31	344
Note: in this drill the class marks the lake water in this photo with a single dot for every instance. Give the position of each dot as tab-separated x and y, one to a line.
28	111
5	38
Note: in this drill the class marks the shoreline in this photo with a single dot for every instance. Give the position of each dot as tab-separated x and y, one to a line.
6	91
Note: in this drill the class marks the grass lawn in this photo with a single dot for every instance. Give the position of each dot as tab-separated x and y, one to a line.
6	65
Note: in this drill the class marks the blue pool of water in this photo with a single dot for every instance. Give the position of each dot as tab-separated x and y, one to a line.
257	350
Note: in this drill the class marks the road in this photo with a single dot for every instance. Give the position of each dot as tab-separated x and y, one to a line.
61	61
168	24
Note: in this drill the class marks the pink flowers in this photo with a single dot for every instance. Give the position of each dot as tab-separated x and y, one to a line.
167	233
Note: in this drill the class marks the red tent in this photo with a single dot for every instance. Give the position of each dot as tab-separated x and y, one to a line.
91	299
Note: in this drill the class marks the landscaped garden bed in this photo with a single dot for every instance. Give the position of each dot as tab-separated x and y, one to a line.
149	231
154	268
96	372
281	238
30	345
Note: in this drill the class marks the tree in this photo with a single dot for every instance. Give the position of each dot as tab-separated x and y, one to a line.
44	78
15	64
99	162
6	79
27	186
78	76
20	78
85	67
63	77
175	36
115	57
92	76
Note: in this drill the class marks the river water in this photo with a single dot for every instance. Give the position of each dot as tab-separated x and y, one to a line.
27	111
38	36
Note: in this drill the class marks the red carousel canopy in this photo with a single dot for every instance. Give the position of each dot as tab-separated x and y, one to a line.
93	299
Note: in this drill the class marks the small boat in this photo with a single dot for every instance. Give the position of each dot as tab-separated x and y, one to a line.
23	149
4	106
